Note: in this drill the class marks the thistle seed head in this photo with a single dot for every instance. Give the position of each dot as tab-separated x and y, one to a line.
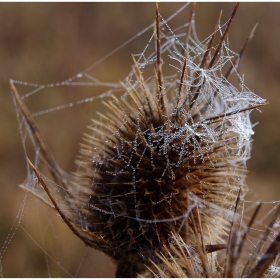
170	155
168	158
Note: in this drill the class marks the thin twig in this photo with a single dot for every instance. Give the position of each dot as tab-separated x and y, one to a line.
253	258
189	27
223	37
37	196
266	259
206	54
200	251
236	61
46	153
183	73
221	117
159	60
232	236
63	216
244	236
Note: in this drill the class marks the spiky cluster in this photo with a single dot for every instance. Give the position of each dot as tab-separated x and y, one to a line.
170	155
181	260
168	158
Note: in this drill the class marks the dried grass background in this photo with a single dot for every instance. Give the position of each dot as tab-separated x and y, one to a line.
49	42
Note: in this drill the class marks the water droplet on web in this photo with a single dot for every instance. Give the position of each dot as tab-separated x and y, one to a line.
80	75
277	224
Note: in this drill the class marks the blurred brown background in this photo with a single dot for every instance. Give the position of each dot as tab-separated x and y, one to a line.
49	42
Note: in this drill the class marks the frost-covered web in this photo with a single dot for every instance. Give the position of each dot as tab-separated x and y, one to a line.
224	98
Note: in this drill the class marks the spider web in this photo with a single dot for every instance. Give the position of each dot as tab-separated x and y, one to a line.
172	45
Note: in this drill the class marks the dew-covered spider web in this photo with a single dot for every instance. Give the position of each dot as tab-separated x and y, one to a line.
204	117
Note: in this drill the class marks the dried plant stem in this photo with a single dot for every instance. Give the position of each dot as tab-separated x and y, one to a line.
189	26
159	76
37	196
223	37
244	236
65	219
265	260
253	258
210	44
46	153
236	61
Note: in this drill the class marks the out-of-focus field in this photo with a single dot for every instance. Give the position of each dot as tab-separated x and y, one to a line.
49	42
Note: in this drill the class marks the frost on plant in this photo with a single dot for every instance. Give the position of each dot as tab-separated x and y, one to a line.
167	159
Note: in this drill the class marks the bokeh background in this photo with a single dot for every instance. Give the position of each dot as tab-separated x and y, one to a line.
49	42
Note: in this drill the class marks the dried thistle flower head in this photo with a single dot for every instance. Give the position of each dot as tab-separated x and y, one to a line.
157	165
168	158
